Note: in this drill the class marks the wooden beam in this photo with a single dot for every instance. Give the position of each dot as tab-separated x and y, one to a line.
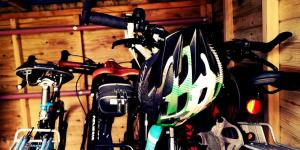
209	11
17	4
108	9
203	8
18	56
228	20
270	21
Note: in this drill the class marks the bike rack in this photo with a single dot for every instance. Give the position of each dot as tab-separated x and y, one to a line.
26	130
116	145
261	138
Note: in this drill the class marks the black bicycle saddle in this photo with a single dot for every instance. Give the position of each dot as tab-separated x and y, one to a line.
33	72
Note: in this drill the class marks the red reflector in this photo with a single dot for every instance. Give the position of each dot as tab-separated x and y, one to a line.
253	106
215	111
50	108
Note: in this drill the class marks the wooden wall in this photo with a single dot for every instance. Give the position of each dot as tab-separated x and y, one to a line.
289	20
248	23
96	45
247	19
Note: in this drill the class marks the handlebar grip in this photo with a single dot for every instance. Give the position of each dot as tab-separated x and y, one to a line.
86	11
108	20
254	45
64	55
69	64
267	47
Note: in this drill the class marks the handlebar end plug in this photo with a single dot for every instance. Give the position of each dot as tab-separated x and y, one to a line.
21	85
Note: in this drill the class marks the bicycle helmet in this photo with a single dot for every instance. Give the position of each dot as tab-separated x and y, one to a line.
181	79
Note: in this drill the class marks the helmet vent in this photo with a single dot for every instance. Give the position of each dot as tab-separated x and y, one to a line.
163	108
182	101
203	93
184	69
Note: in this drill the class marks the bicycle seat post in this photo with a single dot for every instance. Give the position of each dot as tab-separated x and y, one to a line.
45	105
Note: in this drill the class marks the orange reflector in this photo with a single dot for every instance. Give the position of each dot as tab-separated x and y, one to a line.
253	106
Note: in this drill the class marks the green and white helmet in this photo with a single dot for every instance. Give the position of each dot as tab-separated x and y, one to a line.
180	80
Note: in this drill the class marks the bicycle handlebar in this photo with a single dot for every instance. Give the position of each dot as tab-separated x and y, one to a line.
239	49
254	45
77	67
137	18
108	20
100	18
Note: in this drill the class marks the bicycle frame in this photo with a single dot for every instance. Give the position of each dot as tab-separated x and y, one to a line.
50	78
112	90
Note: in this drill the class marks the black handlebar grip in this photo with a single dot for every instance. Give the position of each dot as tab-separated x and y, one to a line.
280	38
108	20
64	55
30	61
267	47
86	11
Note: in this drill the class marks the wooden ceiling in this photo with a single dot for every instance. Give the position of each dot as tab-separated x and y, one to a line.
11	6
14	6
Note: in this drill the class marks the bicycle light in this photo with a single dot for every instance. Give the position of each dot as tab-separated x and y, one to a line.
253	106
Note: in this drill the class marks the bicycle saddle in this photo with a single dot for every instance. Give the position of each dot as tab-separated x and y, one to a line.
114	69
279	79
33	72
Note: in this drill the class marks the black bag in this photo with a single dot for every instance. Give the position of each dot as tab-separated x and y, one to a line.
112	98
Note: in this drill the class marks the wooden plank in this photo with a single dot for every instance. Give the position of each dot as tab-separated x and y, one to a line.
203	8
17	47
52	7
11	120
228	20
49	43
110	9
270	30
249	21
102	46
119	128
48	22
289	9
8	78
290	55
217	8
291	95
290	122
246	7
289	68
9	9
17	4
291	114
289	139
253	34
209	11
174	13
4	24
291	25
289	61
75	118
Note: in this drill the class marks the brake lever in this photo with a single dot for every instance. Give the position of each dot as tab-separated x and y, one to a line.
127	42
